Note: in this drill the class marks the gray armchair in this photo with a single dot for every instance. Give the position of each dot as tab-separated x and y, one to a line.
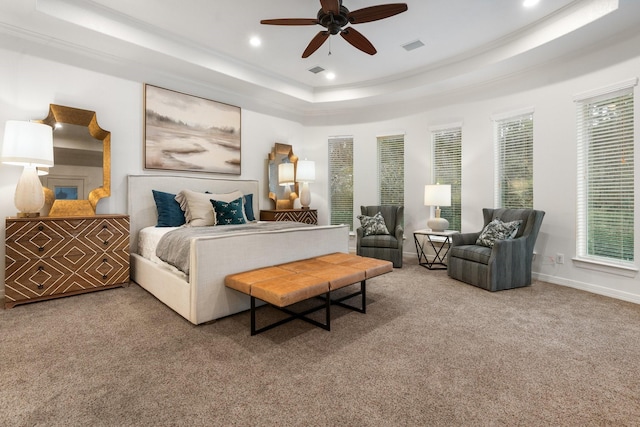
508	264
383	246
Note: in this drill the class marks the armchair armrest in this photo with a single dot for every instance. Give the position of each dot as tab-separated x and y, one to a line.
460	239
399	233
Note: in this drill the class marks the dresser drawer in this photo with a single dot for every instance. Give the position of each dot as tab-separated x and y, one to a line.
33	280
107	269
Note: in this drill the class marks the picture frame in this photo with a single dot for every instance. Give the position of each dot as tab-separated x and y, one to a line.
188	133
65	187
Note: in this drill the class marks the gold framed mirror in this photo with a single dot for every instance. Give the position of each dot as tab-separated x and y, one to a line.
283	194
81	174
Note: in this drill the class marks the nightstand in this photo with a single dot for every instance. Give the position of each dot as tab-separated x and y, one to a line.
308	216
443	238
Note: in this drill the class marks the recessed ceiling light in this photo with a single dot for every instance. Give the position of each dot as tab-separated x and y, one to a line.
255	41
331	75
530	3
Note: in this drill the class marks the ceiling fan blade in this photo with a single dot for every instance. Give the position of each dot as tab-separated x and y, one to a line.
290	21
315	43
358	40
332	6
375	13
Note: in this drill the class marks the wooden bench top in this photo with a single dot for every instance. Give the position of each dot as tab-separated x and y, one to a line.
289	283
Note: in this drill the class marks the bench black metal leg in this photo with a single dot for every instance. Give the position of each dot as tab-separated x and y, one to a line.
362	291
293	315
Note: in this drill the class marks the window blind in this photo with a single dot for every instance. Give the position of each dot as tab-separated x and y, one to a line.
606	176
341	181
391	169
514	161
447	169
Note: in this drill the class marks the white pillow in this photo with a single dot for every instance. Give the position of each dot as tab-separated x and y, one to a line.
197	207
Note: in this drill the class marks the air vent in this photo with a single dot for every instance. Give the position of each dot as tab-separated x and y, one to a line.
412	45
317	69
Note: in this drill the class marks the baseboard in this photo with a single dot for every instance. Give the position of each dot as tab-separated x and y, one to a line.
588	287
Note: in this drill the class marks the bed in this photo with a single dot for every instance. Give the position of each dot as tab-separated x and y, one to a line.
201	295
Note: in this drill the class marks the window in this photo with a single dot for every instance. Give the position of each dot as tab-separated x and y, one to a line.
606	174
447	169
514	160
391	169
341	181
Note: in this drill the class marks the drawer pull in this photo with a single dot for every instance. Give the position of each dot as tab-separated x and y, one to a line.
40	268
104	260
40	249
40	228
106	242
105	226
40	286
104	276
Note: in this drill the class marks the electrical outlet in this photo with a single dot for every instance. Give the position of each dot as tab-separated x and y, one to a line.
559	258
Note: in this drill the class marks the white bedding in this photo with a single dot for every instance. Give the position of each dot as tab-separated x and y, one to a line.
148	239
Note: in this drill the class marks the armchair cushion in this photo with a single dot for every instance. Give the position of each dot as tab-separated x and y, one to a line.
373	225
498	230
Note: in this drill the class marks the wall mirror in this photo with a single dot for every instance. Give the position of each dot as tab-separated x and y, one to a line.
283	195
81	174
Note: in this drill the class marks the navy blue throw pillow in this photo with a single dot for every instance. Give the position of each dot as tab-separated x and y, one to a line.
248	207
169	212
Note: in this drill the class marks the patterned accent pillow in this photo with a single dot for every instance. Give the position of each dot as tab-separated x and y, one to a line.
498	230
229	213
169	212
373	224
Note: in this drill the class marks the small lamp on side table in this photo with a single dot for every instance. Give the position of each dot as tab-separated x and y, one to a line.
306	173
28	144
437	195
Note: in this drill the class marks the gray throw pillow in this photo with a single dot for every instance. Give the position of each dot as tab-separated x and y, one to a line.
498	230
373	224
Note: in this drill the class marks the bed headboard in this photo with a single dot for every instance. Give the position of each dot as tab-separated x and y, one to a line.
142	207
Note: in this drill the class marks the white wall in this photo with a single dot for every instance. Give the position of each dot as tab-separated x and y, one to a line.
555	161
30	84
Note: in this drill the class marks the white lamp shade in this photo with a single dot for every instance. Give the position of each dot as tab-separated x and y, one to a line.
27	143
437	195
306	171
286	174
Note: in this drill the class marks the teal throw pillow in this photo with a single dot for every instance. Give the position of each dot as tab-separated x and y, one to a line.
228	213
248	207
169	212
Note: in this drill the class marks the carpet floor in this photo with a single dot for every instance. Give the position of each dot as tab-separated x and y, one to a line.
429	351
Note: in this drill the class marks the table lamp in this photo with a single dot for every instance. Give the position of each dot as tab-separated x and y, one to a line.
306	174
30	145
437	195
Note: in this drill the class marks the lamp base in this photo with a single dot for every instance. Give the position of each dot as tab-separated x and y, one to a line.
29	197
28	214
305	195
438	224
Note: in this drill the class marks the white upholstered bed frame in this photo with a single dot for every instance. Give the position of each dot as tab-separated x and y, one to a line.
204	297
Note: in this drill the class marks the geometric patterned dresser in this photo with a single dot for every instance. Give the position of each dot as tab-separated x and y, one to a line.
52	257
308	216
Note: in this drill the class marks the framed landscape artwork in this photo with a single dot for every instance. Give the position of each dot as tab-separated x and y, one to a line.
188	133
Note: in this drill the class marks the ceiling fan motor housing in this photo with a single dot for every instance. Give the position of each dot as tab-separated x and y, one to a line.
334	23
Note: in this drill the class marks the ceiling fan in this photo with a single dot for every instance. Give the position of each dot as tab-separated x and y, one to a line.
334	16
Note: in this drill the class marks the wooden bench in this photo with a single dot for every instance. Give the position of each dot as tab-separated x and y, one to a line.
286	284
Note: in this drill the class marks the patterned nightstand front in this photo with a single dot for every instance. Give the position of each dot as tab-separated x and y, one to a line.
50	257
307	216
